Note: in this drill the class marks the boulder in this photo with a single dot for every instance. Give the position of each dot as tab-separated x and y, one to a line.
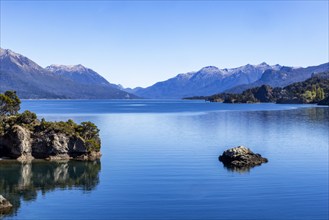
17	143
45	145
77	146
241	157
5	205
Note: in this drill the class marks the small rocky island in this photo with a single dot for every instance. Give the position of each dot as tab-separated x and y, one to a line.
5	205
25	137
241	158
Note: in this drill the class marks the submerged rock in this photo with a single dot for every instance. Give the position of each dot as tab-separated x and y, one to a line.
241	158
5	205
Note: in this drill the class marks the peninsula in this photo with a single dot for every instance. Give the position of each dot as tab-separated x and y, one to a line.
24	137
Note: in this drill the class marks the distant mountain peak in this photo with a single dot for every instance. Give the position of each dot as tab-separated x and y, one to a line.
4	52
210	69
67	68
30	80
8	57
79	73
9	53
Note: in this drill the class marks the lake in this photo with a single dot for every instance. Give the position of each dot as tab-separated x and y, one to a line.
160	161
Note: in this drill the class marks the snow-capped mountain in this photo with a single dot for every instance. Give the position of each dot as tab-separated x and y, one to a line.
211	80
281	77
208	80
10	60
30	80
78	73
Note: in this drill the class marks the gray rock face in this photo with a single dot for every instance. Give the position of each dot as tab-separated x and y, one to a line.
241	157
77	145
19	140
19	143
5	205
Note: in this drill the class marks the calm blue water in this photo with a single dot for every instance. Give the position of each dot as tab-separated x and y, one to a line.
160	161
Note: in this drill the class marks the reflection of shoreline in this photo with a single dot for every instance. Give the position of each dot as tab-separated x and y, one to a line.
22	181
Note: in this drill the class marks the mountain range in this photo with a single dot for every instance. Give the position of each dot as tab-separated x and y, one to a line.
212	80
30	80
313	90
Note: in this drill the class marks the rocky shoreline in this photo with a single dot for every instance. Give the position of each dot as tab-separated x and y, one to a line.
24	137
19	143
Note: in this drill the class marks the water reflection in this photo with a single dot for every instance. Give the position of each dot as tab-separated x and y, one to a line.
22	181
239	169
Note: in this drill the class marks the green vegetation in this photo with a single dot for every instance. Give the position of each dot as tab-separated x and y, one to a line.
10	105
313	90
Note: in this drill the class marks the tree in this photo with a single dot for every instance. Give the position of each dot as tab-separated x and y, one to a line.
88	130
319	94
309	95
9	103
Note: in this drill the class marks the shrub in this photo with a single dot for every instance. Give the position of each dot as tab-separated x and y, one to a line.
27	117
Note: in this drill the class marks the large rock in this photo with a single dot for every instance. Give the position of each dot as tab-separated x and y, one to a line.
45	145
77	145
241	157
59	146
17	143
5	205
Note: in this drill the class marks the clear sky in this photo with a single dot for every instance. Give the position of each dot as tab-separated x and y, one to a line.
137	43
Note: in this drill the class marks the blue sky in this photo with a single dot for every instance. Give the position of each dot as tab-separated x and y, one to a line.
137	43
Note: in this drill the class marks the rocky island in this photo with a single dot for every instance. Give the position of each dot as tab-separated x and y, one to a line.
24	137
241	158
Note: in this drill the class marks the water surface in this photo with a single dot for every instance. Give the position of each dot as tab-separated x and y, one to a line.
160	161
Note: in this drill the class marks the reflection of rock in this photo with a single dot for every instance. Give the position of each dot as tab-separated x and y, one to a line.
237	169
26	176
61	173
22	181
5	205
241	159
